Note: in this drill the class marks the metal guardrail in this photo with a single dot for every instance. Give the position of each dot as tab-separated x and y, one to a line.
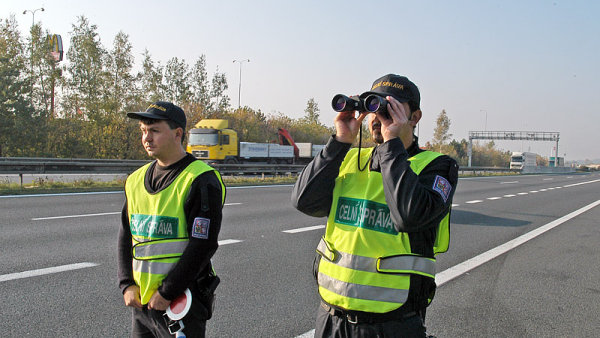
22	165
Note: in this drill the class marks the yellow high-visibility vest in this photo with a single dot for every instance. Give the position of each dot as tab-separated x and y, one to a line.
365	263
158	225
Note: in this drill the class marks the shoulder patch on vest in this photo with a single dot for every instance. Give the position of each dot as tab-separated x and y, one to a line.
200	228
442	186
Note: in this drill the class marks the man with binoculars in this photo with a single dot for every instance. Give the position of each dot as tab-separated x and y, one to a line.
388	212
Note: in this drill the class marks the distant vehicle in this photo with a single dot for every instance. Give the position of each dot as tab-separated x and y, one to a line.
518	160
552	162
213	141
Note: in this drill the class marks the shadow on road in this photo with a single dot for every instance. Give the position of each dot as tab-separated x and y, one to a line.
475	218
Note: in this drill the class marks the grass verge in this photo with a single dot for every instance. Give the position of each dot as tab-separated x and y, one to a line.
46	186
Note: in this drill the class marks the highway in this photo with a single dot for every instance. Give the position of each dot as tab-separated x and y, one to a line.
58	266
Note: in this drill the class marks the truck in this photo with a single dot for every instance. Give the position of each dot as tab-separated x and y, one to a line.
518	160
213	141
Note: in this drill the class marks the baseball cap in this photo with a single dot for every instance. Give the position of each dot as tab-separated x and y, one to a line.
399	87
161	110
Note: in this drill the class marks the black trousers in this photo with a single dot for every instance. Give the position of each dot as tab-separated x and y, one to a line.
150	323
334	326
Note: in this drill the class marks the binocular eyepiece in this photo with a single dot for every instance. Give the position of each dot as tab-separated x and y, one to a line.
371	104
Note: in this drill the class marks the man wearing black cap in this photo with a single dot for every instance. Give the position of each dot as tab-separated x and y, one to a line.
170	226
388	212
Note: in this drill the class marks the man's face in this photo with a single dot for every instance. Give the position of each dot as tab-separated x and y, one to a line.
158	139
375	125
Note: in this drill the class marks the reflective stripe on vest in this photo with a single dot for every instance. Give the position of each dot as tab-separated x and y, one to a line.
152	267
366	263
359	291
393	264
159	249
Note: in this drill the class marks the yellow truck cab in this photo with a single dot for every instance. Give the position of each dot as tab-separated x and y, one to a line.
212	140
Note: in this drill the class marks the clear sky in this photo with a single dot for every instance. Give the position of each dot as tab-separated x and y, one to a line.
505	65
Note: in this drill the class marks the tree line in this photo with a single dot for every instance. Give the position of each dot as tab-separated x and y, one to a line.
77	108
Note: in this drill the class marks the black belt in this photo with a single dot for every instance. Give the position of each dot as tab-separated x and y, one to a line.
366	317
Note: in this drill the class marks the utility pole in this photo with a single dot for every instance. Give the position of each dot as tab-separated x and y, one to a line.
240	85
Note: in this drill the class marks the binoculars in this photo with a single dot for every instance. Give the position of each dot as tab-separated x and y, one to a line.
371	104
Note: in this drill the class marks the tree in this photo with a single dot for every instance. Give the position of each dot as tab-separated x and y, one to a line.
440	133
177	82
219	86
312	111
151	80
16	112
85	70
120	81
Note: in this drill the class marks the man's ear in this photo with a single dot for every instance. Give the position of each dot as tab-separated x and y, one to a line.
415	117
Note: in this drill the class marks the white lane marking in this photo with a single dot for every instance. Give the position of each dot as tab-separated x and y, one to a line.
494	198
309	334
455	205
550	188
73	216
470	264
580	183
261	186
511	182
474	201
543	190
65	194
523	193
229	241
46	271
293	231
100	214
557	187
548	179
509	195
533	191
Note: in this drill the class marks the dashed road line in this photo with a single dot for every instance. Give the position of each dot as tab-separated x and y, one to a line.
474	201
494	198
297	230
46	271
229	241
523	193
75	216
509	195
98	214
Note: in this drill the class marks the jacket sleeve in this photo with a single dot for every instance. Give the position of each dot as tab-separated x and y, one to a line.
313	191
195	260
124	258
414	202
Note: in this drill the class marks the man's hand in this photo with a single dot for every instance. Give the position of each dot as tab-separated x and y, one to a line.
399	124
157	302
347	126
132	296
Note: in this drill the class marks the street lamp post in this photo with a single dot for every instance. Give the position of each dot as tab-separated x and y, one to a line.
41	9
240	85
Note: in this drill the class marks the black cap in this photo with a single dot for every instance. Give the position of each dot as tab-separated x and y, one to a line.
398	87
161	110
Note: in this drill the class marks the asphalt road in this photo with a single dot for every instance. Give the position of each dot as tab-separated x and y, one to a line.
545	287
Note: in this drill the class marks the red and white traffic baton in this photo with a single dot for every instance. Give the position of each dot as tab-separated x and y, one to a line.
176	311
